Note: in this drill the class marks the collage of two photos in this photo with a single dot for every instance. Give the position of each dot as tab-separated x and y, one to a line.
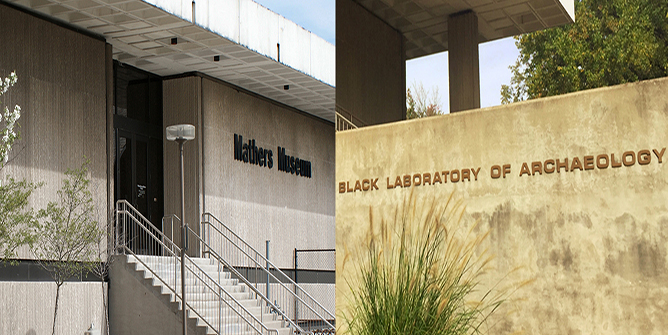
333	167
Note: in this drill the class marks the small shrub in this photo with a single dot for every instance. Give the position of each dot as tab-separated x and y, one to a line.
419	274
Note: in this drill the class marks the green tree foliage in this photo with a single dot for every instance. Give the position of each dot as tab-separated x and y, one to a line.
16	218
422	103
8	133
611	42
67	233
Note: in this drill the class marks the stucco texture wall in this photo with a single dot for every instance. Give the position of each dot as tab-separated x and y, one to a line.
257	203
261	203
592	236
61	91
27	307
370	67
182	104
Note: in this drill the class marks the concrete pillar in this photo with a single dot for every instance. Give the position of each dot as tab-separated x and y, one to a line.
182	103
463	61
111	142
370	67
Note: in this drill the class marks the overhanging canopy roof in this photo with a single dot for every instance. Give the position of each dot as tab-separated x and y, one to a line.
424	23
257	49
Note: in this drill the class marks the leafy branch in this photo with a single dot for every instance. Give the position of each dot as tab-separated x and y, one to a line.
611	42
67	232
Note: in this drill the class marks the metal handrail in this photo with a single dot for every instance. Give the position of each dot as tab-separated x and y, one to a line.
206	220
147	226
220	289
249	284
171	223
346	120
274	277
342	123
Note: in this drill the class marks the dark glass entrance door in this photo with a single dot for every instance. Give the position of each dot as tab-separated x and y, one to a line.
138	125
139	174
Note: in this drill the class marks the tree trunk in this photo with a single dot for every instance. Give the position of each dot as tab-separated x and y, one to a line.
55	311
106	314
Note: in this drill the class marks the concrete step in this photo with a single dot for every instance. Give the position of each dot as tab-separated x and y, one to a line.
199	296
222	278
230	317
226	283
235	327
212	307
202	299
197	287
168	270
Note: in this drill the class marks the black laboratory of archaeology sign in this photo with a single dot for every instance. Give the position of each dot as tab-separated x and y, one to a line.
254	155
549	166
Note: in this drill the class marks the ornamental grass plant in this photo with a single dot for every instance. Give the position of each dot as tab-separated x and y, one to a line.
419	274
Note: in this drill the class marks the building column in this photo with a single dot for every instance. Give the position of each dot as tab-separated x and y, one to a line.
371	67
463	61
111	141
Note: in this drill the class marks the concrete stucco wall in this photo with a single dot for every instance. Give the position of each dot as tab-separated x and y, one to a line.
256	202
370	67
137	308
594	240
27	307
61	91
181	104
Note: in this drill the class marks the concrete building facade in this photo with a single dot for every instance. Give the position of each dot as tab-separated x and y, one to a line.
101	80
571	190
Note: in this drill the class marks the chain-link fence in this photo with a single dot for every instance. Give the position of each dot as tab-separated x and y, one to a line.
314	272
315	259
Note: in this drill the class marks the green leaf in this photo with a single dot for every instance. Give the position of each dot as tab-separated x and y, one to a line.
611	42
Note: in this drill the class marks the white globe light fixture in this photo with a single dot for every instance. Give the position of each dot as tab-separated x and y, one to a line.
181	133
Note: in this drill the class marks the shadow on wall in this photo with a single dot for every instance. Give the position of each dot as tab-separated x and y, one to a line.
31	332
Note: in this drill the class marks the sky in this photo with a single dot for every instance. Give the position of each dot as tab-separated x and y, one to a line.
318	16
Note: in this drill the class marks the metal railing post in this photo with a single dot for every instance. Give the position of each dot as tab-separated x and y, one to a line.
246	259
267	248
117	229
296	290
203	235
183	244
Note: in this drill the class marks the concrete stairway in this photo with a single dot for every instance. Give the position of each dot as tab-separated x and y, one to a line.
199	297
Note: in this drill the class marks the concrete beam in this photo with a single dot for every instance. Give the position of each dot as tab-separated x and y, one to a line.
463	61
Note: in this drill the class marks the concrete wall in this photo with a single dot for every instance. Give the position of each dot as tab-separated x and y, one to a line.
27	307
257	203
135	308
182	104
594	240
260	203
370	67
61	91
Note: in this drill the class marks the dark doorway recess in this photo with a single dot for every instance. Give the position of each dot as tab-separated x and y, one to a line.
138	130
